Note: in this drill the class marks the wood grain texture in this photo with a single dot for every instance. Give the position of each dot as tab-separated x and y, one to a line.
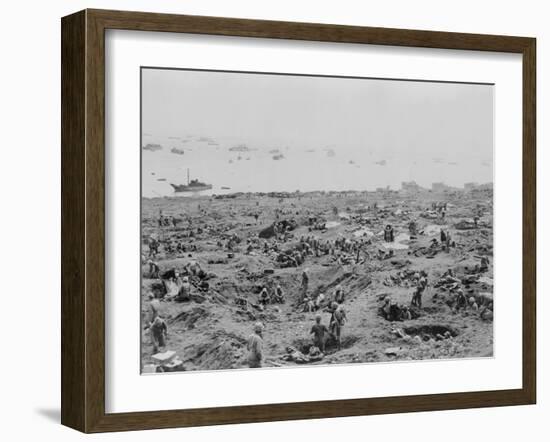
95	222
83	219
73	128
144	21
529	221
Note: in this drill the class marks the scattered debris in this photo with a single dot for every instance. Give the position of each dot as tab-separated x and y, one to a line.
213	256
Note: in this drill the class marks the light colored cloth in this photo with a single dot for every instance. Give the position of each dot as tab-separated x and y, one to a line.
319	300
340	315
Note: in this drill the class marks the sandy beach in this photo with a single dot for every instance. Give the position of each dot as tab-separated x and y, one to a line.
209	330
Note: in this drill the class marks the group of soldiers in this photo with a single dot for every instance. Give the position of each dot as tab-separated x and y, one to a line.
166	221
276	296
312	246
393	311
168	246
314	302
320	332
440	208
155	323
191	268
446	240
310	301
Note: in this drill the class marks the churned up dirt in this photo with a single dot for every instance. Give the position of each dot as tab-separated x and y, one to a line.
239	255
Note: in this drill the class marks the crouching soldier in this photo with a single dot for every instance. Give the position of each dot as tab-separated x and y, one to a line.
487	312
184	293
278	295
405	313
395	312
339	295
154	269
460	300
263	298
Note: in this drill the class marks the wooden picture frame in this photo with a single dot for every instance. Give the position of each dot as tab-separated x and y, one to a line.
83	220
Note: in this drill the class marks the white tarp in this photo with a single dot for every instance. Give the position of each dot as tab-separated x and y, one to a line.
402	237
395	246
332	224
398	242
172	288
164	358
363	232
433	229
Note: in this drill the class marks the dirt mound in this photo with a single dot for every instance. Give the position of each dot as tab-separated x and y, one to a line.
231	288
335	256
225	350
282	226
360	284
329	279
189	318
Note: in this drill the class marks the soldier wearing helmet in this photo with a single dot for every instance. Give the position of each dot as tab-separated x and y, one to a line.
255	346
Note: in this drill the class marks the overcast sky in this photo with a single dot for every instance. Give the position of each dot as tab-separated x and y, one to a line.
363	120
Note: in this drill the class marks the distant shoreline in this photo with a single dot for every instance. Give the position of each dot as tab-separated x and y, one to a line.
297	193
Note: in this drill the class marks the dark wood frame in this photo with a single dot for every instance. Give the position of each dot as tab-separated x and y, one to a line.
83	220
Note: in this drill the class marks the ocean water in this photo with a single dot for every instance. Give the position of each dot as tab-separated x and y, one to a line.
416	131
303	168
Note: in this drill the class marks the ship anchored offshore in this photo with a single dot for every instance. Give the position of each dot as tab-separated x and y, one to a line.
191	186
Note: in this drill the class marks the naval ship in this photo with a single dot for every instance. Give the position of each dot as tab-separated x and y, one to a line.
191	186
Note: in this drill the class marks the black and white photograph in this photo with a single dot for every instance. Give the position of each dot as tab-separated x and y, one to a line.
293	220
268	221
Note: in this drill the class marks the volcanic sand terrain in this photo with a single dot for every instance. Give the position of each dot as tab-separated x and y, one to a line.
210	331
